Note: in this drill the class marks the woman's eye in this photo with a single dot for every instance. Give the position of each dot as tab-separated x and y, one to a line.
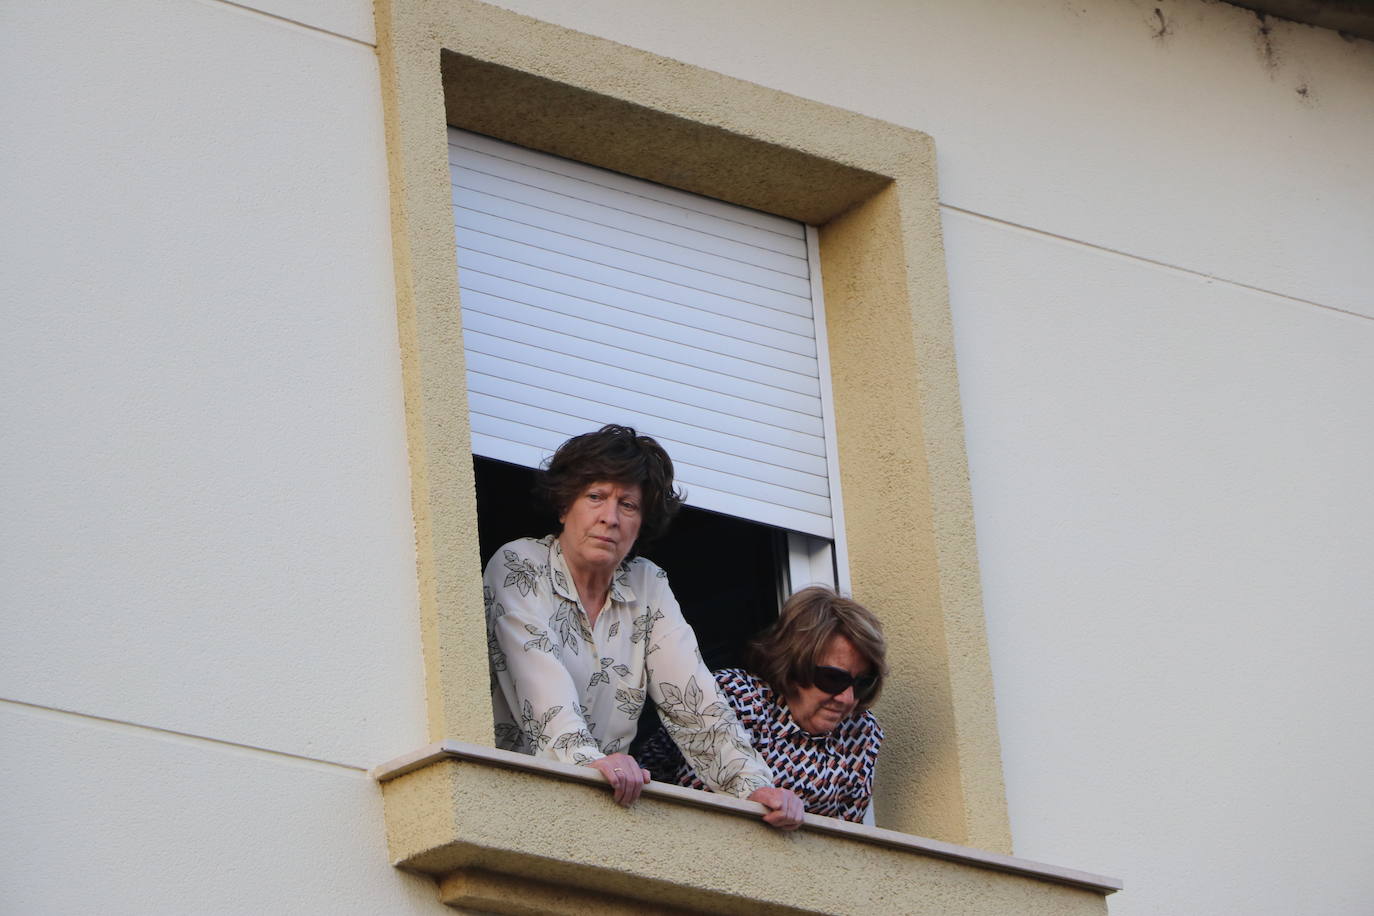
629	506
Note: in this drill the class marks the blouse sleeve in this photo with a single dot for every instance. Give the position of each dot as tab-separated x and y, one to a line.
691	707
527	664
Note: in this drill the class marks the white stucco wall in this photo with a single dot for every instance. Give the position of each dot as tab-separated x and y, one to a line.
207	568
1157	233
110	818
1174	517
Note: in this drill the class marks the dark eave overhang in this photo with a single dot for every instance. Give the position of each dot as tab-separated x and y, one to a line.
1351	18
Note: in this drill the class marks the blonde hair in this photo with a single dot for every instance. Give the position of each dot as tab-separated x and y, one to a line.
785	653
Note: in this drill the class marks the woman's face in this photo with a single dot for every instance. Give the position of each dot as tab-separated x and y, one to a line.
816	711
600	526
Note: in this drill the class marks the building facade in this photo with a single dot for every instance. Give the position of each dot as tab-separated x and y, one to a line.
1125	335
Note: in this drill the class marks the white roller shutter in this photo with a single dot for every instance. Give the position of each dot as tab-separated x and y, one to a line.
590	297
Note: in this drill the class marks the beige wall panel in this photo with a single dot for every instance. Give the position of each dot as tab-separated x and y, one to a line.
1174	506
120	820
207	525
1238	148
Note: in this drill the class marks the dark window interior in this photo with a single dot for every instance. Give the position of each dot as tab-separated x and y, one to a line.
723	570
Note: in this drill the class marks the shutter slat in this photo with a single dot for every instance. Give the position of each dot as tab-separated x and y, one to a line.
597	406
467	183
626	368
696	346
633	193
492	414
521	453
623	391
568	294
643	264
632	281
495	210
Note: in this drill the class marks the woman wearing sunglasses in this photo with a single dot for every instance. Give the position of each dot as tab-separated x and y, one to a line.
805	700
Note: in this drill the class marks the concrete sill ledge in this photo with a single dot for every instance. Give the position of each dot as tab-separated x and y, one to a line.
509	833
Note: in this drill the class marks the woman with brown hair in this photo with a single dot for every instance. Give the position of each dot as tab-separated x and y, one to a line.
805	700
580	636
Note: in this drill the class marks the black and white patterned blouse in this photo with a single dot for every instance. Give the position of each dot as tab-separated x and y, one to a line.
832	774
571	691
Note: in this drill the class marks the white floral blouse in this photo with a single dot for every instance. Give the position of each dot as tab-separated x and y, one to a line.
572	692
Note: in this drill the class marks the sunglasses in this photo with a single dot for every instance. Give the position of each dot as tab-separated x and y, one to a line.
835	681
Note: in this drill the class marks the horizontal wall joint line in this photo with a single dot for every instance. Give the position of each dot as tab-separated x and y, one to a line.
192	736
296	22
1153	262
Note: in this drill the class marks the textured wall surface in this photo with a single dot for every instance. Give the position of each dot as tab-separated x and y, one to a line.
716	863
120	819
1157	221
202	401
207	526
1174	513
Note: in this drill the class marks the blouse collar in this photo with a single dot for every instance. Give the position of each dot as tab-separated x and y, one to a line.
563	582
787	724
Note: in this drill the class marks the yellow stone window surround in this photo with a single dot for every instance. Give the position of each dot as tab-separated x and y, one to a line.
870	188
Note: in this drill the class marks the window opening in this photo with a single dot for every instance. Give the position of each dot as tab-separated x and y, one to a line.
726	572
729	575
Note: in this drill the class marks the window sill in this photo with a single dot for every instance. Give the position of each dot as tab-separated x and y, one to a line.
504	832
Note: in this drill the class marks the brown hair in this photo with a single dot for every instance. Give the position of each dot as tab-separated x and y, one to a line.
613	454
785	653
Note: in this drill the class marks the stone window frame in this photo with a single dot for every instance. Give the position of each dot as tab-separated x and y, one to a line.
870	189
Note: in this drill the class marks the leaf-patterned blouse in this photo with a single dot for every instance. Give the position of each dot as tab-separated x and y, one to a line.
572	692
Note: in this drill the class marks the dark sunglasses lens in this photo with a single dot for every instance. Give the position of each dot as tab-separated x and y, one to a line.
837	680
832	680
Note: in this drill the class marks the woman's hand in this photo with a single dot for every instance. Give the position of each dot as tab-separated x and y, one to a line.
785	810
627	777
